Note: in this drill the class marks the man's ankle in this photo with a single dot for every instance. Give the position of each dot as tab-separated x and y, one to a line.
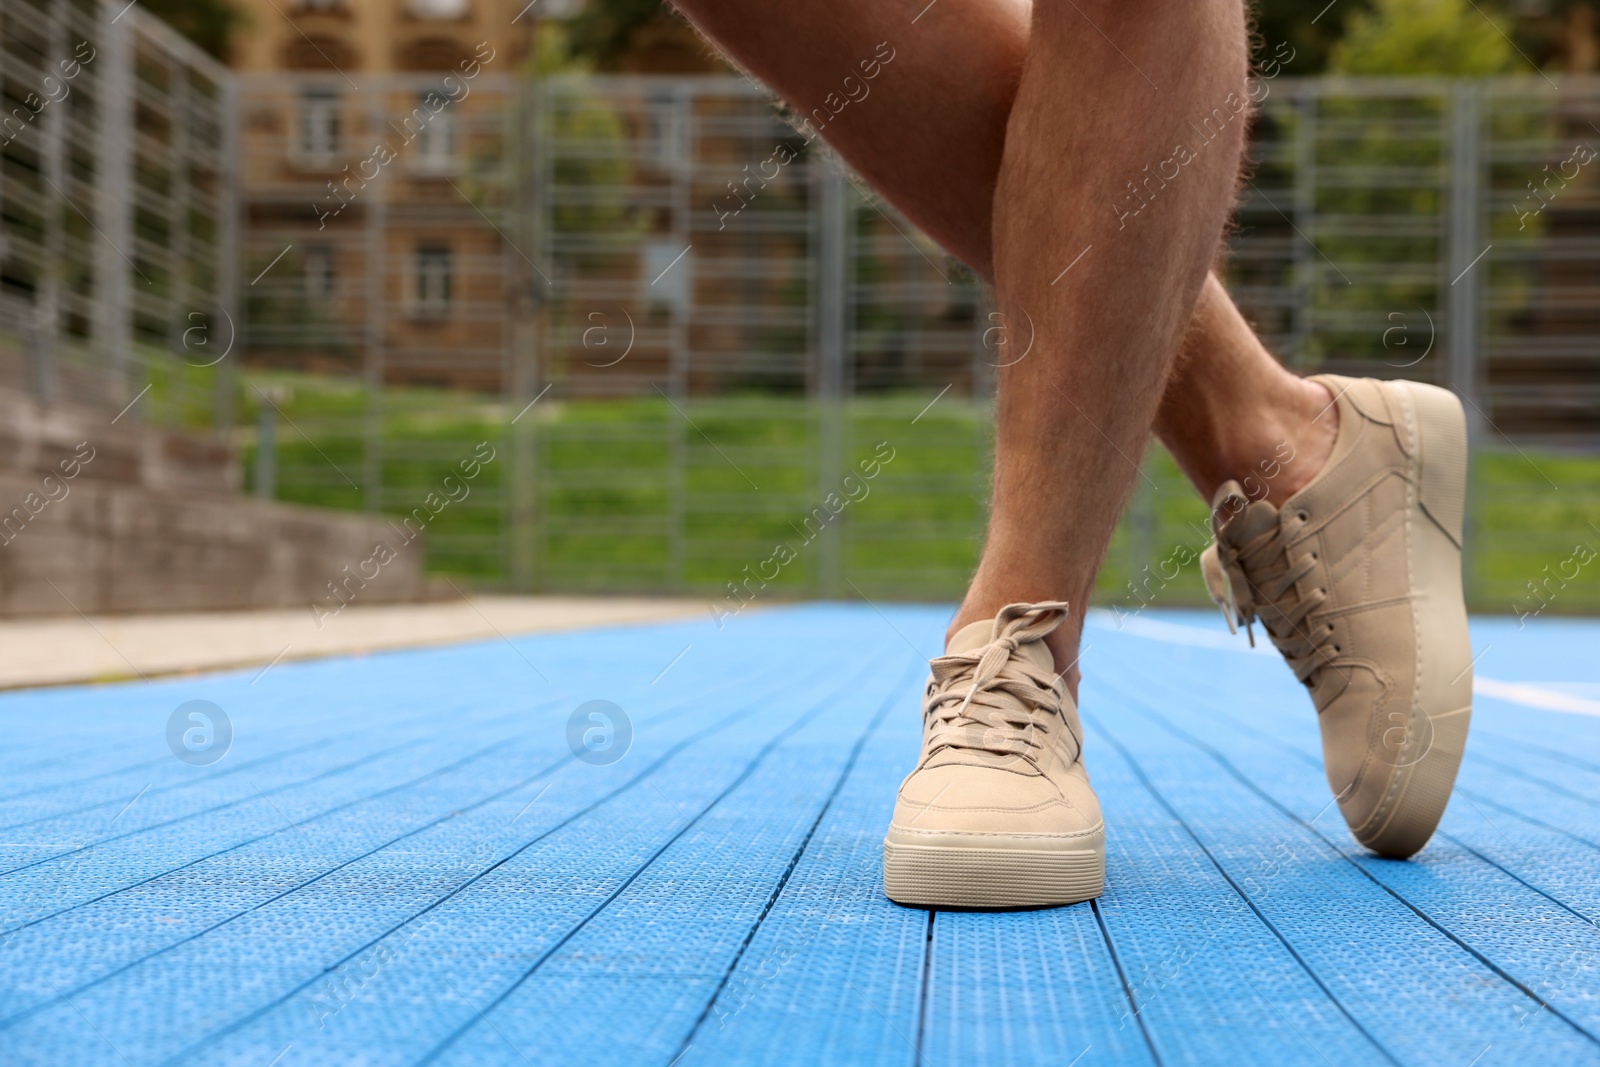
1289	445
1064	643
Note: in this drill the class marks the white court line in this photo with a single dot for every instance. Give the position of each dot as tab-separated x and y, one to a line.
1174	633
1534	696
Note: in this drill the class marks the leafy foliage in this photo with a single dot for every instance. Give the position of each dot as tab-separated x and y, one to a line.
1449	37
208	23
1310	29
603	32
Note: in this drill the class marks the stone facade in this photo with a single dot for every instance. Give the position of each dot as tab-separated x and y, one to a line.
98	518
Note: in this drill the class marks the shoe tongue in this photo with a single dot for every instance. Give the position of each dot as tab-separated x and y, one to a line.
971	636
977	634
1258	517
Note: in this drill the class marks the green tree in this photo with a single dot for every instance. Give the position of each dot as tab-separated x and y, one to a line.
208	23
1310	29
603	31
1449	37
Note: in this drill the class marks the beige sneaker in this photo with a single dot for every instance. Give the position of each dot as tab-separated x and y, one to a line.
999	811
1357	581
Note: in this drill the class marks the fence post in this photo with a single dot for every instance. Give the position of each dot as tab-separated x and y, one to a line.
229	256
832	235
1464	249
50	134
113	180
377	281
1306	101
528	132
266	452
681	116
1467	261
44	384
179	250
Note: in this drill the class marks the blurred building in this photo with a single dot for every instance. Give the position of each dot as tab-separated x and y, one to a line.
119	479
375	153
116	206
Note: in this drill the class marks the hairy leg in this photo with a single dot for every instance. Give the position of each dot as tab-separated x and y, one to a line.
1107	296
930	138
1230	410
929	134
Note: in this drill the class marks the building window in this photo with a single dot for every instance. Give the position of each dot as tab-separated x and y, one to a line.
436	138
319	125
665	281
438	9
318	266
663	134
433	54
433	280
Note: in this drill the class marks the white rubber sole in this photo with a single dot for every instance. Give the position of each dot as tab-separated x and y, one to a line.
1421	789
987	876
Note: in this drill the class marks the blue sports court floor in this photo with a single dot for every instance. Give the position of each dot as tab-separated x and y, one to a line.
399	860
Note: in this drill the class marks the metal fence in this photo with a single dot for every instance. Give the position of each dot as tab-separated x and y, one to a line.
117	199
769	325
681	328
782	321
1450	232
1418	224
378	250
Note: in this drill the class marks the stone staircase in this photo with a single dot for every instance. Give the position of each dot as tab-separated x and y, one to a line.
102	517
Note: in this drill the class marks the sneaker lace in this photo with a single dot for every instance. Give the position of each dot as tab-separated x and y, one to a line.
990	699
1252	578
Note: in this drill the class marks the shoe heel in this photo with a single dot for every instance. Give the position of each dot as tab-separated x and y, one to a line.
1442	429
1444	650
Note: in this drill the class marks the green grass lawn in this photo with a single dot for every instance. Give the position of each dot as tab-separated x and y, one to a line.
632	496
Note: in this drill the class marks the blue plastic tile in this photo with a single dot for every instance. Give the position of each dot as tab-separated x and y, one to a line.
400	861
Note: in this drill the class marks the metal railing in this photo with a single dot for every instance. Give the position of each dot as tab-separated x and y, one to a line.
1415	224
768	322
804	319
684	330
117	195
378	251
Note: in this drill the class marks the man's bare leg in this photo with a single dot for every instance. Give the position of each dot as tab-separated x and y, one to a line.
929	138
1231	411
929	133
1107	298
1227	408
